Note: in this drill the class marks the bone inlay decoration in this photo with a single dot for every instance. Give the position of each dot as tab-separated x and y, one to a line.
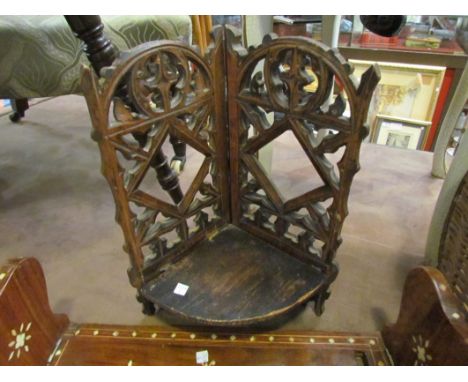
421	348
19	343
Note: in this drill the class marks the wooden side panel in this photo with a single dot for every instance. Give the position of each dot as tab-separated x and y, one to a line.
234	50
430	329
300	89
29	330
175	95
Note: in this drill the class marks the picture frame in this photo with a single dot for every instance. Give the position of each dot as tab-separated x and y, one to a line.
398	132
405	90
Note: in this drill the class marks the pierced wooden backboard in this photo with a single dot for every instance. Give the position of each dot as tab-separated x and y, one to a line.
226	107
172	93
298	87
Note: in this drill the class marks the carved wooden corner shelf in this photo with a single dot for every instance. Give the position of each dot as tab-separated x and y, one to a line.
248	253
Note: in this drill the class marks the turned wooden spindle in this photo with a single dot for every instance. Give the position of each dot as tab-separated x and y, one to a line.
101	53
97	47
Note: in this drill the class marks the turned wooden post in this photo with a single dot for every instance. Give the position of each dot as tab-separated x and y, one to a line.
97	47
101	53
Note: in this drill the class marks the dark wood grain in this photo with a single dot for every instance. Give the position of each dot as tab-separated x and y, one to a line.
234	279
97	47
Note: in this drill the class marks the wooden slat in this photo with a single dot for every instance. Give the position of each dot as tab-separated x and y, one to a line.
248	99
318	195
321	164
180	130
135	152
123	128
321	120
332	142
197	205
144	199
120	345
195	186
255	144
279	242
255	167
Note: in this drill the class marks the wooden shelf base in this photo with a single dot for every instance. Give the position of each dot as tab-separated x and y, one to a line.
235	279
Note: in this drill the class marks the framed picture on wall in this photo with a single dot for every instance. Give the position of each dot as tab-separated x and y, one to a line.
407	91
404	133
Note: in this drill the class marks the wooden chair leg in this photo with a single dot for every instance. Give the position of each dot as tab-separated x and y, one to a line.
167	177
319	306
19	106
149	308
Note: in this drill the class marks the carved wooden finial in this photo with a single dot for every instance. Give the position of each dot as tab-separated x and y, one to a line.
369	81
216	32
233	37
